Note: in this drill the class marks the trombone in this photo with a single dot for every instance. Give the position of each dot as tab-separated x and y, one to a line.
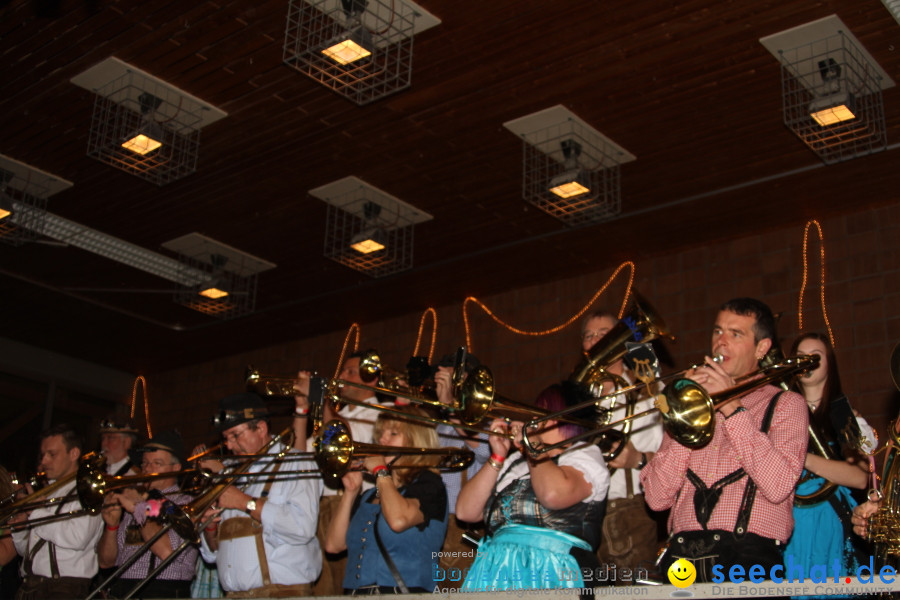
335	451
687	410
185	520
39	499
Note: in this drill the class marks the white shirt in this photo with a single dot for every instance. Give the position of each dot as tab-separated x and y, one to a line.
289	518
583	457
75	540
646	436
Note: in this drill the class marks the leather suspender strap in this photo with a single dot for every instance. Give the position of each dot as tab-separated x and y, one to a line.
260	545
30	559
263	562
706	498
740	527
123	469
54	567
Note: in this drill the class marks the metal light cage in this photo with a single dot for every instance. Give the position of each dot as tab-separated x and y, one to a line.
313	25
343	223
132	103
28	201
543	159
830	68
241	298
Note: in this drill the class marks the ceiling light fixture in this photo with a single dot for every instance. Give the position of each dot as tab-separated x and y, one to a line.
142	124
571	170
360	49
6	207
228	285
367	229
574	181
368	241
834	104
831	89
347	49
24	192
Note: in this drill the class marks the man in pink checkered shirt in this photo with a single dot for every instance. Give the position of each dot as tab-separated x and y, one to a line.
731	500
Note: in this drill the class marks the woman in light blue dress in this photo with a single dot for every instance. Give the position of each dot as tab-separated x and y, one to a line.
542	515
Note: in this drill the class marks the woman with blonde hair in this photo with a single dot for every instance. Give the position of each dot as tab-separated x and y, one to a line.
390	530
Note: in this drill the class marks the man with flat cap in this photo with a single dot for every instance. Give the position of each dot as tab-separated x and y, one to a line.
264	542
132	518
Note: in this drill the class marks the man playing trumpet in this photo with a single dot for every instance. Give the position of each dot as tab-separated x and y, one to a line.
59	557
264	543
731	500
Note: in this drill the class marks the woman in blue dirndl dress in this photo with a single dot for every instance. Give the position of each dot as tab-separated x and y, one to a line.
542	516
822	530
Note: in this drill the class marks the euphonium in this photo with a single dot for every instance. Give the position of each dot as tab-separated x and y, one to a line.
641	324
884	526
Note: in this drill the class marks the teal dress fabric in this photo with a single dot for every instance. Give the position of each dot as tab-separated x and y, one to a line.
819	536
529	546
524	557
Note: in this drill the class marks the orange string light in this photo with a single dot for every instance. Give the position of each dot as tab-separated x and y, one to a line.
134	390
571	320
433	313
821	278
353	329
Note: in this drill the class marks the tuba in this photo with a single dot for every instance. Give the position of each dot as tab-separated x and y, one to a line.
884	526
641	324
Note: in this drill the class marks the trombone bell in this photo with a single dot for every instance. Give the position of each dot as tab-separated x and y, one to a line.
335	450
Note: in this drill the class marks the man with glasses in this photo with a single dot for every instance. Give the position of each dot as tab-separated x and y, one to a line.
630	535
132	518
264	541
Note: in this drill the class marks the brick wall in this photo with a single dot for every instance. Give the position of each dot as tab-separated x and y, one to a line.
862	296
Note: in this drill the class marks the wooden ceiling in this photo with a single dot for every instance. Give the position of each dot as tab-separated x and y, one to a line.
685	86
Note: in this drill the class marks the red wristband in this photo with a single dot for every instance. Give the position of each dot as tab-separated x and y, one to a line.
212	527
108	528
498	458
379	468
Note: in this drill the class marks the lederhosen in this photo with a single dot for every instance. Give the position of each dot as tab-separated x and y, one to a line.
709	547
239	527
38	587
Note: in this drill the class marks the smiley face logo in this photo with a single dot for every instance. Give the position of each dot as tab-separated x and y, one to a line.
682	573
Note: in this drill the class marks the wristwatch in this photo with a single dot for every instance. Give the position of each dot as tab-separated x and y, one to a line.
251	505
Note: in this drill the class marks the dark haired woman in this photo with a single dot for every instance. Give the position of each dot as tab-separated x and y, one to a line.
821	530
539	514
